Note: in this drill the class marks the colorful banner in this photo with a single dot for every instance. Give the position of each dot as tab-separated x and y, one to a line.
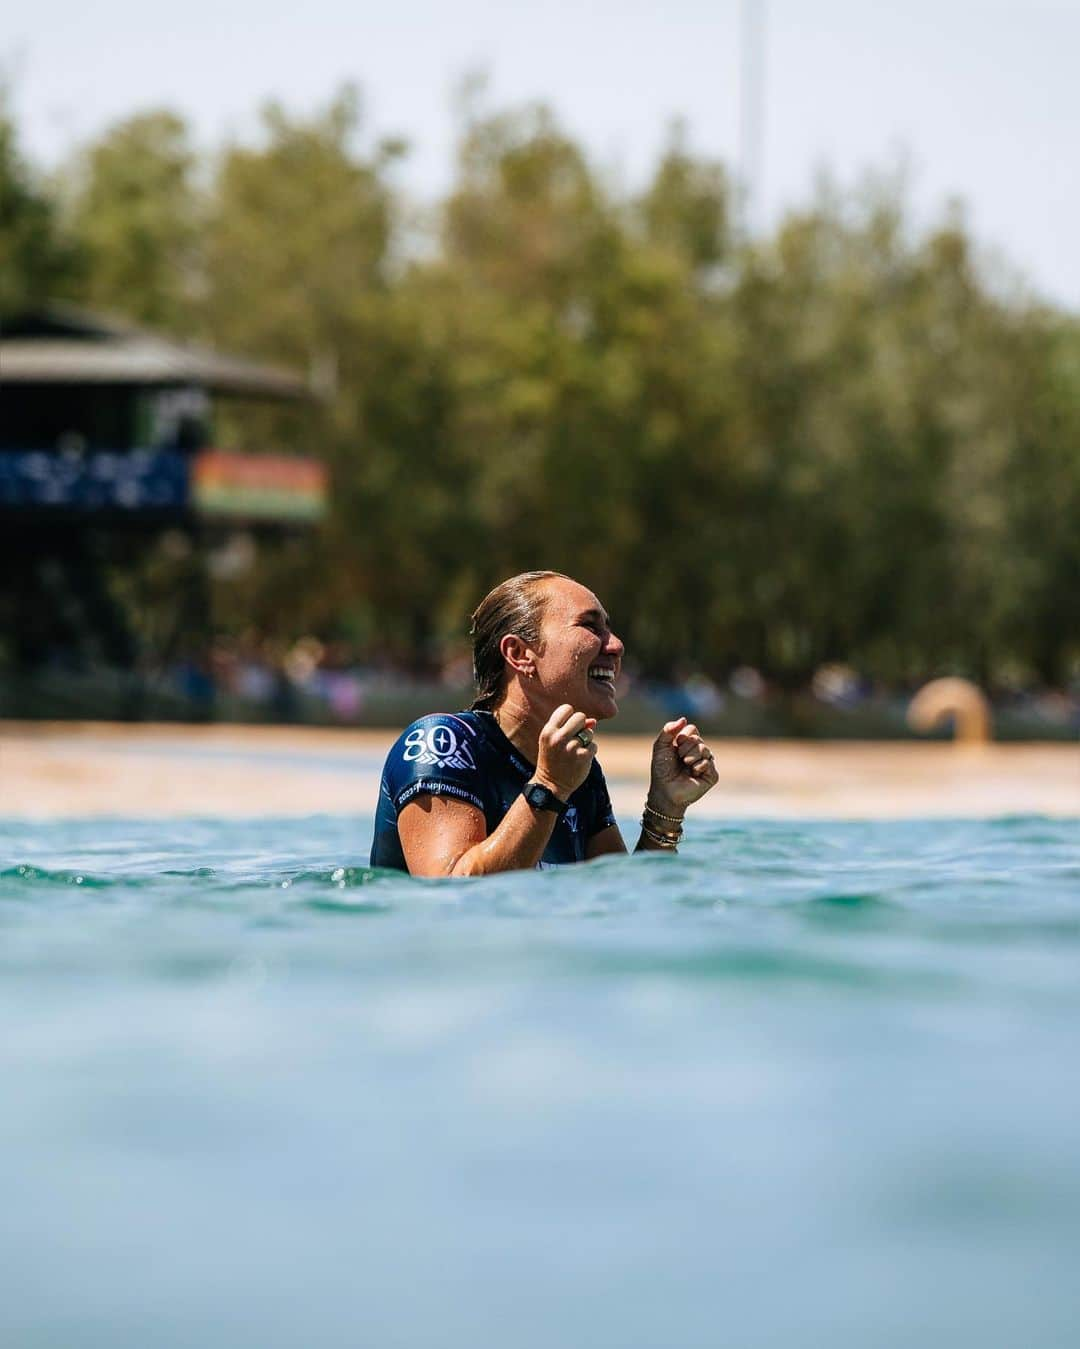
258	486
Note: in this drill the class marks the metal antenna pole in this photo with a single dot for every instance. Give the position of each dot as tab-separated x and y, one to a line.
751	111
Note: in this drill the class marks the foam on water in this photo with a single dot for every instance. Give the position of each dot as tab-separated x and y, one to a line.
804	1084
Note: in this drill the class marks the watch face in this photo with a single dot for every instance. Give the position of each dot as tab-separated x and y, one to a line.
542	799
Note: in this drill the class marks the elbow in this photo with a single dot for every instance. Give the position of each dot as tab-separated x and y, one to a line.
465	865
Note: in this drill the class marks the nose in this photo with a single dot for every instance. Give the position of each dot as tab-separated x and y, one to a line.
613	646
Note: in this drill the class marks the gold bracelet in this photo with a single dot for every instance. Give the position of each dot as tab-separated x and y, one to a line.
665	841
673	834
667	819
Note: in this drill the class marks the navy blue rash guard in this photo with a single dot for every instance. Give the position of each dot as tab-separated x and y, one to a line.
466	755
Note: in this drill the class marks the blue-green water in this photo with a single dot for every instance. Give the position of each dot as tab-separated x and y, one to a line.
809	1084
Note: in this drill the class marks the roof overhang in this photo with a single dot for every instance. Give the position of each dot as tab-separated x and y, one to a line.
64	346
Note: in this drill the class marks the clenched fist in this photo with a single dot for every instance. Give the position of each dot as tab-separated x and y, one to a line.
565	757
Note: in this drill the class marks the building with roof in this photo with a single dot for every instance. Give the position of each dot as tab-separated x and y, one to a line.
106	445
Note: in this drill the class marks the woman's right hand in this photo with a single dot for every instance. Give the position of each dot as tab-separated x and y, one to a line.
563	762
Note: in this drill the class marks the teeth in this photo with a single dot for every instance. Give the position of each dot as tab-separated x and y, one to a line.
602	672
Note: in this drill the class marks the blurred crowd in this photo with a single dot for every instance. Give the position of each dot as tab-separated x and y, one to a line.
331	682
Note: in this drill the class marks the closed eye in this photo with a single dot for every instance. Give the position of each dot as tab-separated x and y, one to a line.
595	622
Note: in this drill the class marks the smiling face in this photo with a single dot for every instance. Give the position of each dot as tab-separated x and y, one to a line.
579	657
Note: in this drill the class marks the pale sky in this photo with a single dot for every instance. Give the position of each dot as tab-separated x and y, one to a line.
982	96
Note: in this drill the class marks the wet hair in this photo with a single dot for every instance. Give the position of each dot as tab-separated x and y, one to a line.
516	606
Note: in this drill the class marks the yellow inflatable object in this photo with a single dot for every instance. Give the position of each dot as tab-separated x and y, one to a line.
960	699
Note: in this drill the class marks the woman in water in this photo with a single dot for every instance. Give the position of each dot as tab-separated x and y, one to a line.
514	782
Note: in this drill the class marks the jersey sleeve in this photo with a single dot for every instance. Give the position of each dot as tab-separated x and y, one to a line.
437	755
603	814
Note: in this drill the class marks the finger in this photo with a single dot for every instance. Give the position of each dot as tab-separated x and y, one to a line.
705	771
590	729
672	728
568	736
555	721
688	731
574	723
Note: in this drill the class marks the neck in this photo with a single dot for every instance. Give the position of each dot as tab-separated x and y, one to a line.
520	723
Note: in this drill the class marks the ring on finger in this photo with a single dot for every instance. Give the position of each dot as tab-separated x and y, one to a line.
585	736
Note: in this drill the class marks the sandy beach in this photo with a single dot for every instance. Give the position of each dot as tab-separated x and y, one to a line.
80	770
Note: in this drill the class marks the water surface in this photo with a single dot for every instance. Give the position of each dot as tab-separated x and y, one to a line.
805	1084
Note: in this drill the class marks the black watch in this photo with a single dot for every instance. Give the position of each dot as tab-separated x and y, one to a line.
542	799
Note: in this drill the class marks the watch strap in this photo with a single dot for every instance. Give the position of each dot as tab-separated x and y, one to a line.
541	798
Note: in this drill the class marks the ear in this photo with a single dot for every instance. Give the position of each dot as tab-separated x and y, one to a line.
518	655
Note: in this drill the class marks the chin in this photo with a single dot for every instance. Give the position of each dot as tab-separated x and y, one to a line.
605	709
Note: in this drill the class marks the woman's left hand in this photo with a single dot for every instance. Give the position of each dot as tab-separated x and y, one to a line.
682	768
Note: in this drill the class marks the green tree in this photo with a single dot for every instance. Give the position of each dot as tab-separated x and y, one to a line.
687	206
298	237
588	351
299	269
37	262
136	210
845	440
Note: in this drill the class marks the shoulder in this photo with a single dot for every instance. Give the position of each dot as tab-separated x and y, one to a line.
438	744
435	754
438	736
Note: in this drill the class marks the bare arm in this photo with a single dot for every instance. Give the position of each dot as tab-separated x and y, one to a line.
441	836
604	843
610	841
682	772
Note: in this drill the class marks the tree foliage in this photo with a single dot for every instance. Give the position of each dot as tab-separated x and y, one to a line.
136	211
35	257
846	440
